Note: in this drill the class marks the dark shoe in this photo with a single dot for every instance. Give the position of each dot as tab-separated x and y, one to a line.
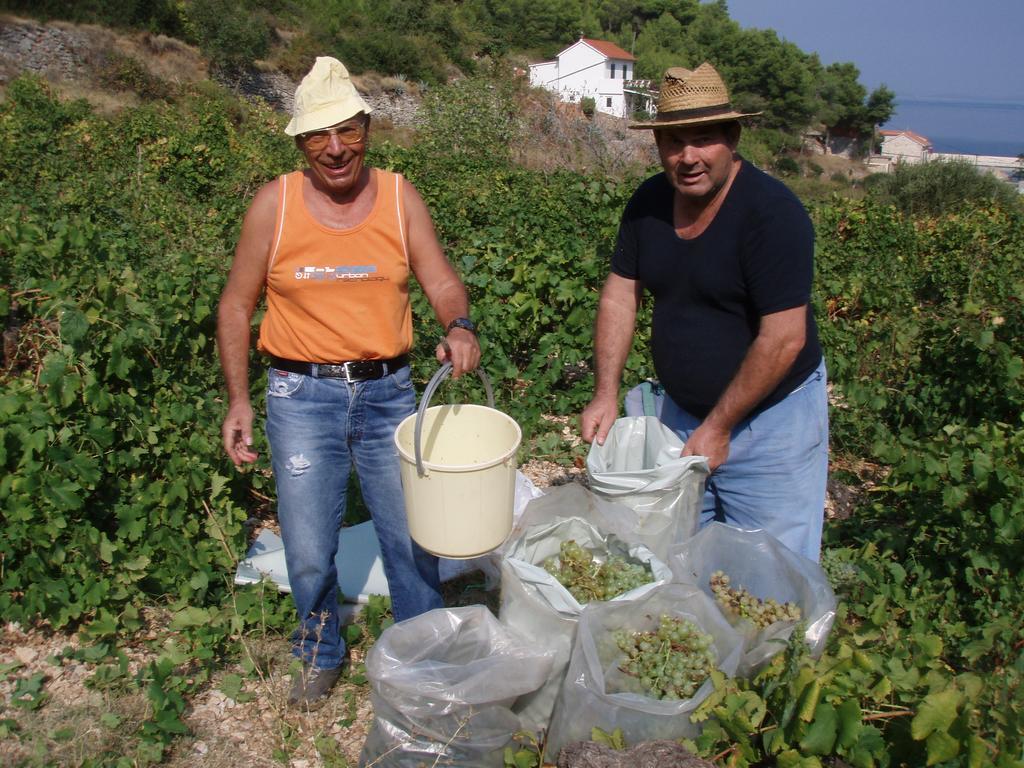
312	686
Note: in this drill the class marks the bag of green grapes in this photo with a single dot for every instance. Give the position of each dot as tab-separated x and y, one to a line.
550	572
640	466
442	688
643	666
761	586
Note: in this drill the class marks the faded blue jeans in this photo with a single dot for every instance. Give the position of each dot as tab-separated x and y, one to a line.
318	429
777	468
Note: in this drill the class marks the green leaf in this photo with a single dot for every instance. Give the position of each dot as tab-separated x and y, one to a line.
190	617
64	495
106	549
217	485
614	740
793	759
929	645
28	692
233	686
821	735
936	713
880	691
104	625
941	747
73	325
850	725
810	701
977	752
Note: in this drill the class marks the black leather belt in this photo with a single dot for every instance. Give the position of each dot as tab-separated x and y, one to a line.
352	370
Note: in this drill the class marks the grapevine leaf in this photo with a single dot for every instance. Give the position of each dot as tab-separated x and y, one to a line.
941	747
850	724
936	713
613	740
810	701
793	759
190	617
106	550
977	753
881	690
929	645
821	735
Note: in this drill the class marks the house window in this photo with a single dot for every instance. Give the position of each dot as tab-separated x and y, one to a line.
613	71
608	101
625	71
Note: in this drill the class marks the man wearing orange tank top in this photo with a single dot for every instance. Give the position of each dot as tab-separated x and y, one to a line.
332	247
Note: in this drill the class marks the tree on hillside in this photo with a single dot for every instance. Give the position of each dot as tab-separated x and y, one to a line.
661	44
844	104
531	24
776	73
880	105
632	15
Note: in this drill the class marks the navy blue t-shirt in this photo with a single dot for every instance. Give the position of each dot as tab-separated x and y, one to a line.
755	258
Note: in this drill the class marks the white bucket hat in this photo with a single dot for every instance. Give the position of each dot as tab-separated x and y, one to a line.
325	97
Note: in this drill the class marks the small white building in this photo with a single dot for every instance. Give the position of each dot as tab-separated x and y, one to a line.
594	68
905	147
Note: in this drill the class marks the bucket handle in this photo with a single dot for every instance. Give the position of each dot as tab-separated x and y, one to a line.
435	381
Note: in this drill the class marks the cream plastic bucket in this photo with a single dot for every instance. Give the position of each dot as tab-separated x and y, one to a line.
458	468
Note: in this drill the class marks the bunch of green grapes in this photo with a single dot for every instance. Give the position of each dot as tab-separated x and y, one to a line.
739	602
587	579
671	662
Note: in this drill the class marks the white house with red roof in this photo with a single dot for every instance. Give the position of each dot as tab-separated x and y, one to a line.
595	68
905	146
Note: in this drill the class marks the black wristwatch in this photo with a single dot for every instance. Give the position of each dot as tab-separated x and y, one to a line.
461	322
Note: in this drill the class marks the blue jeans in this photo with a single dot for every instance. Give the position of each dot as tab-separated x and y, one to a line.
317	429
777	468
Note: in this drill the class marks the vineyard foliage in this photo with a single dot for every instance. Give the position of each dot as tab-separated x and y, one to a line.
115	237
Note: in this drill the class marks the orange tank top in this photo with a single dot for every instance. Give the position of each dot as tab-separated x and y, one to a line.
338	294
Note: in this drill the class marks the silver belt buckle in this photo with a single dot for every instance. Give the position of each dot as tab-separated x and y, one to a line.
348	373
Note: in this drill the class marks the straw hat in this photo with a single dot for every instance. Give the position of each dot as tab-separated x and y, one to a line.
693	98
325	97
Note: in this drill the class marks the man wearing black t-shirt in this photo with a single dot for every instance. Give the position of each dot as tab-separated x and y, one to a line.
727	253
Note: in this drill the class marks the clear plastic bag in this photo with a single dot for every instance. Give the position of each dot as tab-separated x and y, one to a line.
591	693
640	466
761	564
535	603
442	688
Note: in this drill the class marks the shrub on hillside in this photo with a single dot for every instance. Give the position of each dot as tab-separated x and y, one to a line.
229	34
940	187
787	166
385	50
762	145
125	73
474	118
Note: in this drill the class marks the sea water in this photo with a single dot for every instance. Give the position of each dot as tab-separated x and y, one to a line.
962	126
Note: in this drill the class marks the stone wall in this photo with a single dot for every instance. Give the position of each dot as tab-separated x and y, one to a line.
46	50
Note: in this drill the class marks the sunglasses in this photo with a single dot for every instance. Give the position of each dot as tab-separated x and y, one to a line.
352	133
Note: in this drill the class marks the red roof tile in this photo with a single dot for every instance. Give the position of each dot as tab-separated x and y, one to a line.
611	50
924	142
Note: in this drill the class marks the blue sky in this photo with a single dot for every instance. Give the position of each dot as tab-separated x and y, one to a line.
963	49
